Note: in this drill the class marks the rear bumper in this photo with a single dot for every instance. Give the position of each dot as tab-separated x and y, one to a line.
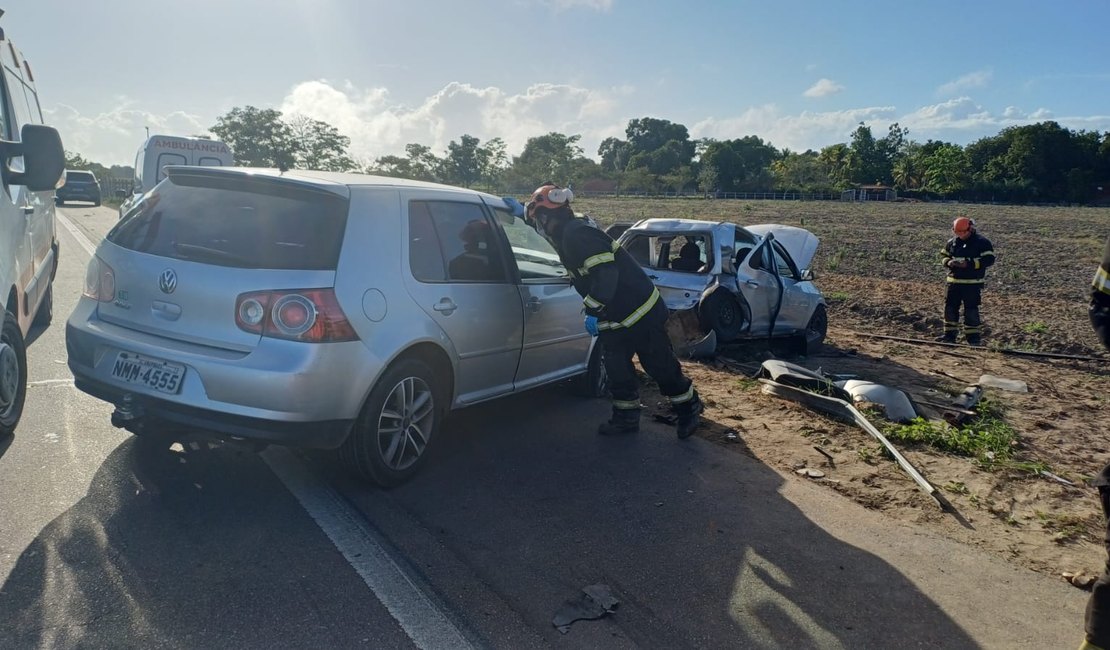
157	415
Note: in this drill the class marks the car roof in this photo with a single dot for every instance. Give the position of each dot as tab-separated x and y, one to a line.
675	225
332	181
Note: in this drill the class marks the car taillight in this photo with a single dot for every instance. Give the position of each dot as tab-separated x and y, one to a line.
309	315
100	281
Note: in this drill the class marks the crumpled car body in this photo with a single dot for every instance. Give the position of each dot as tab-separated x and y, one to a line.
735	282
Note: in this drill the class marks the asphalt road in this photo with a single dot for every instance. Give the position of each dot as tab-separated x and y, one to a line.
104	543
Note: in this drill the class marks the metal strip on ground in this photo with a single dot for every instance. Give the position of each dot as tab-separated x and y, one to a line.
417	615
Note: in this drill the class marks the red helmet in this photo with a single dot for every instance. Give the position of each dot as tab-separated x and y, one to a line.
550	196
963	225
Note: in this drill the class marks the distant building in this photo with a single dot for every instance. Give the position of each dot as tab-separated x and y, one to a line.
870	193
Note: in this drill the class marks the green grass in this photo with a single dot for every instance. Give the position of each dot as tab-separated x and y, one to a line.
836	296
986	438
1035	327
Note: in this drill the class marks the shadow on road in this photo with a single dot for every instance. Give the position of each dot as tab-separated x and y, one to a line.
696	541
202	548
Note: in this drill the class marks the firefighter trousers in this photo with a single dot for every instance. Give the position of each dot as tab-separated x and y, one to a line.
1097	619
969	296
646	339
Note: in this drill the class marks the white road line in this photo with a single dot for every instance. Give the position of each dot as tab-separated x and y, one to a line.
418	616
82	240
50	382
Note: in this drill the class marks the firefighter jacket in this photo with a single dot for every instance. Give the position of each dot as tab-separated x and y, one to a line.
613	286
976	250
1100	299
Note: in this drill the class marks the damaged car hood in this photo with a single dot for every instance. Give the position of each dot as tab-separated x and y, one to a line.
799	242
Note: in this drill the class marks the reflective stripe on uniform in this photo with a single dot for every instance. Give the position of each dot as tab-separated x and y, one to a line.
962	281
685	397
592	303
635	316
972	330
626	405
600	258
1101	281
949	326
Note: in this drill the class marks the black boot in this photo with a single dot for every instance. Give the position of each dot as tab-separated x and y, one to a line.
947	338
689	416
623	421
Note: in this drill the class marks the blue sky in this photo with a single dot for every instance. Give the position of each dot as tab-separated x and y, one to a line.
798	74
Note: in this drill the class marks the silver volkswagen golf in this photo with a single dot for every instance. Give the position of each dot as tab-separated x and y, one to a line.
321	310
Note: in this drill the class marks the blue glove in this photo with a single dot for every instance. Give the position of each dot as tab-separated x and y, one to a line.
515	206
591	325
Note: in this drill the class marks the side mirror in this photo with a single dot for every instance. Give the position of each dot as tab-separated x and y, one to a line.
122	194
44	159
808	275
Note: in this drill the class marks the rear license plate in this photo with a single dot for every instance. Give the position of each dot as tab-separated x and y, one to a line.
160	375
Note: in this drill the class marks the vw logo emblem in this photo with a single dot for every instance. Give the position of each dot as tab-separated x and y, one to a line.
167	281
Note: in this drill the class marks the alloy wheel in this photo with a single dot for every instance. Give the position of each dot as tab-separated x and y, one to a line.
405	423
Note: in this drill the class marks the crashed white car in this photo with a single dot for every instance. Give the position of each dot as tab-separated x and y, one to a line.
732	282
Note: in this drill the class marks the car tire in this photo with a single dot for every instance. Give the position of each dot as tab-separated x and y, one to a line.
723	313
595	381
13	374
45	314
816	330
96	203
410	402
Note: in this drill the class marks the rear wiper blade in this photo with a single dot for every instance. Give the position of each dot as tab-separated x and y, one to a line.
194	252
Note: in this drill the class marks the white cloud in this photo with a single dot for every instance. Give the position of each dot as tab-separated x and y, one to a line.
379	127
596	5
823	88
976	79
795	132
114	137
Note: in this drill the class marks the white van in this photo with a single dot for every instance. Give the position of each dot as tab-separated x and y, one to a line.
32	166
161	150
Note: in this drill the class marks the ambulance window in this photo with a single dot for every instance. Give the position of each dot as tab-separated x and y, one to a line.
208	161
168	159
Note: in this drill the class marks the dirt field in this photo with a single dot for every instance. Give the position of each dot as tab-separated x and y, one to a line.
877	267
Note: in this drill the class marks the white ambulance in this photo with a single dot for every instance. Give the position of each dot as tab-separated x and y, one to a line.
32	166
161	150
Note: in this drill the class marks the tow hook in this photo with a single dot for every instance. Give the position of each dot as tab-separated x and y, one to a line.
127	415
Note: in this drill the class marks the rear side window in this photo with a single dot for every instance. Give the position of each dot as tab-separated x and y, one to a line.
243	224
453	242
165	159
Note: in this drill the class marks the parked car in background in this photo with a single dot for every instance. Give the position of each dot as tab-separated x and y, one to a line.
321	310
80	186
159	151
28	233
731	281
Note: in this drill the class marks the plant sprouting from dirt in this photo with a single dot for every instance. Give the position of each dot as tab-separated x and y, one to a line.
987	438
1071	528
1035	327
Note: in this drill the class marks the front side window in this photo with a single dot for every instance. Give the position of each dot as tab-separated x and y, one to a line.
784	263
535	257
237	223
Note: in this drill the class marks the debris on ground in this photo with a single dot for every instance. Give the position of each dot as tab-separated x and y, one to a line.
1012	385
592	603
896	404
962	406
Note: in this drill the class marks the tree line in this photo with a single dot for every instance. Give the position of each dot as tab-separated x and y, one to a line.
1041	162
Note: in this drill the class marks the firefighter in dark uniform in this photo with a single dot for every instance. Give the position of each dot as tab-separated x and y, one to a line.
622	307
967	257
1098	607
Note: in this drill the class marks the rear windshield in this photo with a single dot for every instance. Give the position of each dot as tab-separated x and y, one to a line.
239	224
83	177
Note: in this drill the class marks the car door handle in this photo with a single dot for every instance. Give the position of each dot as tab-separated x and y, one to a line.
28	209
445	306
653	277
752	283
534	304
